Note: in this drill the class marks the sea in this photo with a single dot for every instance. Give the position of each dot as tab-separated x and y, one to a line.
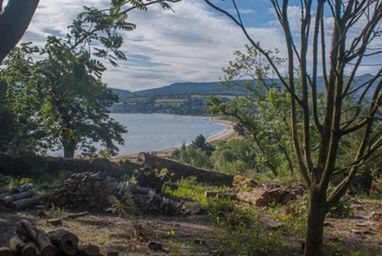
153	132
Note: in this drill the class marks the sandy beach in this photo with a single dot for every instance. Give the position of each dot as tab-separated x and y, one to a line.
228	132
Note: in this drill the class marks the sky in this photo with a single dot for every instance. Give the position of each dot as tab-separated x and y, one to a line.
191	44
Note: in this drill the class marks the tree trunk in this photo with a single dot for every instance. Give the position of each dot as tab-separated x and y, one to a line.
69	149
13	23
315	224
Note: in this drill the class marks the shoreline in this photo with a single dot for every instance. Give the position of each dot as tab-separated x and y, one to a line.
227	132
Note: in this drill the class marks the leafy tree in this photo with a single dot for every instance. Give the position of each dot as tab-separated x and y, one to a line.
262	114
337	63
76	101
200	142
234	156
73	102
193	156
20	101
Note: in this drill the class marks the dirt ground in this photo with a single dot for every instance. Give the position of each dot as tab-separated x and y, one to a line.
193	235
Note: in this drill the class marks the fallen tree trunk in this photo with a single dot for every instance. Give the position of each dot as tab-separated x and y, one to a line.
19	165
179	170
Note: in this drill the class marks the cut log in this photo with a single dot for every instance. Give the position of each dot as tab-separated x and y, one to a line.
15	197
3	195
30	249
62	237
27	229
68	249
16	244
180	170
24	203
5	251
90	250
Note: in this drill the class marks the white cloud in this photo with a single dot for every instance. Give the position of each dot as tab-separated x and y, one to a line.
192	44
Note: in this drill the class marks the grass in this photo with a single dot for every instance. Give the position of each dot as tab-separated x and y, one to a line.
41	179
243	229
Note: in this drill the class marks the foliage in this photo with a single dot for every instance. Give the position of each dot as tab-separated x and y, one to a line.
342	209
262	114
58	100
40	178
192	156
201	143
235	156
19	103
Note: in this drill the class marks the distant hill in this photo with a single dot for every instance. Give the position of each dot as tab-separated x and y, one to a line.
203	88
190	88
121	93
188	98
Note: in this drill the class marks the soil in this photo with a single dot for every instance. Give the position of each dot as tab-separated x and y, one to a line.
193	235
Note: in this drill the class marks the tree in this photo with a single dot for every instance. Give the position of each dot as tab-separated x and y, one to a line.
17	15
20	102
74	101
309	57
262	114
200	142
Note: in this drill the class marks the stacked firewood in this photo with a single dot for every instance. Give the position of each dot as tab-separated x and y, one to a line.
20	198
30	241
148	201
83	190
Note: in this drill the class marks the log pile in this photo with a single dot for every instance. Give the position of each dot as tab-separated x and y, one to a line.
30	241
83	190
19	199
93	190
156	204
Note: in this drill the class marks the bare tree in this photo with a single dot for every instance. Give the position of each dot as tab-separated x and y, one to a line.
338	64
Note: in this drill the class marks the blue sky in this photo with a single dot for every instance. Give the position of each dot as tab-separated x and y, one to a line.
191	44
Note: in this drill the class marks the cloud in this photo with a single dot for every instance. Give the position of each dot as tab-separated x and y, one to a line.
191	44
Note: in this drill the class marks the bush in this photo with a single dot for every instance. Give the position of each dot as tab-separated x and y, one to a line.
234	156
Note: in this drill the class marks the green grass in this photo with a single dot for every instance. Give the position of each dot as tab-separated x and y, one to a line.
43	180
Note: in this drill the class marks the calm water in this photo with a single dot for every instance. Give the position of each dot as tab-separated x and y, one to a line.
152	132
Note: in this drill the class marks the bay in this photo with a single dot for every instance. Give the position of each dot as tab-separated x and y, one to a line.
153	132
